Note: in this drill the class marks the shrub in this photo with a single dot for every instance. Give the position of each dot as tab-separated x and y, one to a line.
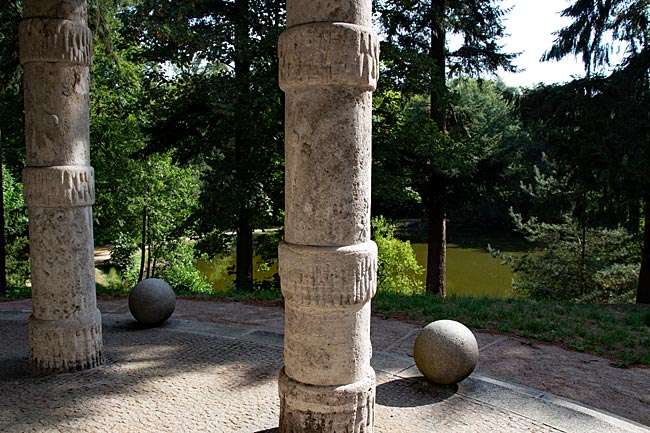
577	263
15	230
122	254
398	270
178	267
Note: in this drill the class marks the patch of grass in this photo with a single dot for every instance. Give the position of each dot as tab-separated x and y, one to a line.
619	332
273	296
16	293
109	282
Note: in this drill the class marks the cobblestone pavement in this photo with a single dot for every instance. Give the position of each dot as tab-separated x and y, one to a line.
195	376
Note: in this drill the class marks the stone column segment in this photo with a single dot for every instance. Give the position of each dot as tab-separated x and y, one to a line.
328	266
56	48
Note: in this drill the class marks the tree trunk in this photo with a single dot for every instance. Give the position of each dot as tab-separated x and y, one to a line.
243	143
3	258
244	277
143	244
583	259
643	290
438	54
437	250
437	246
149	249
634	216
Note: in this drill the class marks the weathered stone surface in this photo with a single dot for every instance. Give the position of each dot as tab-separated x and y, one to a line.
63	272
152	301
56	115
327	346
329	59
328	276
70	344
338	11
328	141
328	54
446	352
74	10
346	408
55	40
66	186
65	331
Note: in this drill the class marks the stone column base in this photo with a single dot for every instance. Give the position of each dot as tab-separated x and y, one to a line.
58	346
327	409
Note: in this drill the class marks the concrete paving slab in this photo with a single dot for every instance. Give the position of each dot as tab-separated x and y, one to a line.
198	376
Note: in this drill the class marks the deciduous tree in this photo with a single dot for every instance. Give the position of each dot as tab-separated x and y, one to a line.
224	112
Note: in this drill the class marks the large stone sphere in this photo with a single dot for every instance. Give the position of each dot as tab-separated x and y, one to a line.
446	352
152	301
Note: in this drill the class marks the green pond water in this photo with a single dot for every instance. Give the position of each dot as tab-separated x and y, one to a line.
471	270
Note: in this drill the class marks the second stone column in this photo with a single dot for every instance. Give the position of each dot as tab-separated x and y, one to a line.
328	70
65	328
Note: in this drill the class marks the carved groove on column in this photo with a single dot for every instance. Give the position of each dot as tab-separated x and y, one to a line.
328	54
59	186
65	345
55	41
326	409
328	276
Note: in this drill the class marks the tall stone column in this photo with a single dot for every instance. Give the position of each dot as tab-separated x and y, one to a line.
328	70
56	48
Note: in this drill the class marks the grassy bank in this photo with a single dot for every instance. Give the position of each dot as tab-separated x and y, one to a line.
620	332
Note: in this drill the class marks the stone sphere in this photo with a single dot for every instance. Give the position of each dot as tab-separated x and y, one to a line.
446	352
152	301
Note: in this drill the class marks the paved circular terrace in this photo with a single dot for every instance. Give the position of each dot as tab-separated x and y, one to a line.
192	376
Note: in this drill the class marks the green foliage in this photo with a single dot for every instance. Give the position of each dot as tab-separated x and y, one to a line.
178	268
110	282
416	61
16	228
596	26
594	132
266	250
141	198
398	270
123	254
119	113
408	26
475	166
393	194
11	89
170	197
602	123
573	262
221	109
272	296
10	16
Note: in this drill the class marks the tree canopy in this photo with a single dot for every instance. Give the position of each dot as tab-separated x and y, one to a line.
417	61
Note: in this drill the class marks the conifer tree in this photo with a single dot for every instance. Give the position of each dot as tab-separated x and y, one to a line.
599	27
417	60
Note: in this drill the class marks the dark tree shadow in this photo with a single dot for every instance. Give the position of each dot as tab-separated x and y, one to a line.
133	355
413	392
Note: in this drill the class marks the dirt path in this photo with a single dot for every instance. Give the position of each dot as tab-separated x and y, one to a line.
102	254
